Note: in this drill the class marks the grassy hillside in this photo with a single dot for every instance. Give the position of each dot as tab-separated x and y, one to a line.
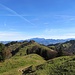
15	65
33	47
68	48
11	48
25	48
27	45
22	58
58	66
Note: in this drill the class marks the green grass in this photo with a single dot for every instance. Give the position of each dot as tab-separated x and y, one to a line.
16	64
67	45
22	51
59	66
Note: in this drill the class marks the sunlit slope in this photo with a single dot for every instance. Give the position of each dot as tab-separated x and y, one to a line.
58	66
15	65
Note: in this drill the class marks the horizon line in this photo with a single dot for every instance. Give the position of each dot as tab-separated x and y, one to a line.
40	38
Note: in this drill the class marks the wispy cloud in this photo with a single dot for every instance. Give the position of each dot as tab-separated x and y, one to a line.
7	36
59	33
50	31
10	36
61	30
11	29
16	14
66	17
46	23
5	23
35	19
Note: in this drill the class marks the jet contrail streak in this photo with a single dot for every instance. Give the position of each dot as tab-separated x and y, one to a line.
14	12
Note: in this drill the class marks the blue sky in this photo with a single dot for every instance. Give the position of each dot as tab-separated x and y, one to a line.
24	19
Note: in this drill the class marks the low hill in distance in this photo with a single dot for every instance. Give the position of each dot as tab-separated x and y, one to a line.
68	46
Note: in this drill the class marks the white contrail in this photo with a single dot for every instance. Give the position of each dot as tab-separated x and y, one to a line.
14	12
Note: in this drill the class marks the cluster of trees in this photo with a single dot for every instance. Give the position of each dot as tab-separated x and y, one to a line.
2	52
45	53
61	50
7	50
11	43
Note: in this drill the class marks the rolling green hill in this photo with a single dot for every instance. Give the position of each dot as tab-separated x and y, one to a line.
31	58
58	66
33	47
15	65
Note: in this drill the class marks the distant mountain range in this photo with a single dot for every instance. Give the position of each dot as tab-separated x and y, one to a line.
5	42
43	40
50	41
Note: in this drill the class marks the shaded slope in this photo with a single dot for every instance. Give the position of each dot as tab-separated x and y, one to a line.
68	47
